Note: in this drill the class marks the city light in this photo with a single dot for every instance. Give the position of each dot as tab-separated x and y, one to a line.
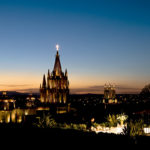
95	84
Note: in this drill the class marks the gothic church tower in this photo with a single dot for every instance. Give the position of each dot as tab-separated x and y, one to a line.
55	89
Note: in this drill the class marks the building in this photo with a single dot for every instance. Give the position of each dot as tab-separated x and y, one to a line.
30	100
109	94
7	103
55	88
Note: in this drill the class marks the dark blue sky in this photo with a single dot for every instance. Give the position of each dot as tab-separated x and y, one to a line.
100	41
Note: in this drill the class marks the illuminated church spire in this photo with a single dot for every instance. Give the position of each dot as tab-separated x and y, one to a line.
56	88
57	65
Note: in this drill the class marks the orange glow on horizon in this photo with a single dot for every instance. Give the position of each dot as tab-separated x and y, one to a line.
78	83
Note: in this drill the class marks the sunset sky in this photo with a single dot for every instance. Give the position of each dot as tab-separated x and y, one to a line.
101	41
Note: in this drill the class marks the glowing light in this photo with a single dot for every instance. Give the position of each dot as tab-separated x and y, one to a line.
116	130
147	130
57	47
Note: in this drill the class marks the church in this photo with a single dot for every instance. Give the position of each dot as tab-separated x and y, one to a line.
55	87
109	94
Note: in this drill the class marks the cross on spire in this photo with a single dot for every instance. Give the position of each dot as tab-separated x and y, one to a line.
57	65
57	47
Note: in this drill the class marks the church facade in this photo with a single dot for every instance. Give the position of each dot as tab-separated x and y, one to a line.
55	87
109	94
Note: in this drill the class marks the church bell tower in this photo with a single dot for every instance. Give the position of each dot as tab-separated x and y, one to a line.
56	88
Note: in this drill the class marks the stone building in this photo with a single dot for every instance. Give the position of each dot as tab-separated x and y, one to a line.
55	87
109	94
6	102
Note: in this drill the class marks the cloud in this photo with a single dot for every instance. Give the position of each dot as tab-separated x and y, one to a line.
98	89
15	85
33	90
120	89
92	89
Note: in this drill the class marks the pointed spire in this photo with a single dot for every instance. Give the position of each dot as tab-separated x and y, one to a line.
66	73
57	49
57	65
48	78
48	75
44	82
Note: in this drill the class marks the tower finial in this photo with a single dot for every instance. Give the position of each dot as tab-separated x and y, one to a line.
48	75
44	81
66	73
57	47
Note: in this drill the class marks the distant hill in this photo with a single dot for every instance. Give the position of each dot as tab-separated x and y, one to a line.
14	93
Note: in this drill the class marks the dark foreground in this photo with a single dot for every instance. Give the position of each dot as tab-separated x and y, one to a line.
63	137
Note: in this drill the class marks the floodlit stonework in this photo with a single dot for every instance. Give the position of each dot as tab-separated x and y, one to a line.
56	88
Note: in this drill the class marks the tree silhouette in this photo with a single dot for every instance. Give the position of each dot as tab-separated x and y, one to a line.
146	91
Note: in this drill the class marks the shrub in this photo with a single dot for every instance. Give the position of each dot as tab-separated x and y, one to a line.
122	118
134	128
112	120
82	127
46	121
73	126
